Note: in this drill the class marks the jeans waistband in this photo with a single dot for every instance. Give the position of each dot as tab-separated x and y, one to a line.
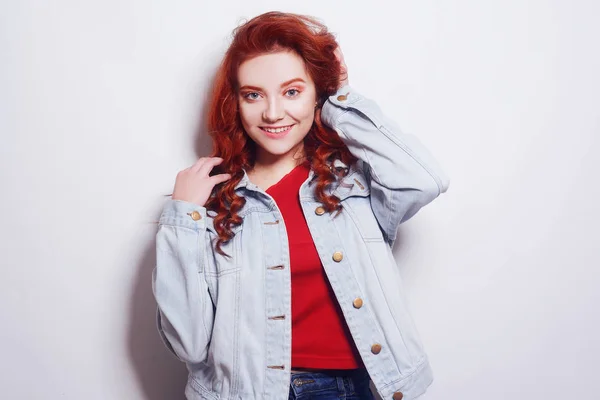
342	382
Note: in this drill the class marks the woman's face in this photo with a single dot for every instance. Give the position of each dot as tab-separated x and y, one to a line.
276	102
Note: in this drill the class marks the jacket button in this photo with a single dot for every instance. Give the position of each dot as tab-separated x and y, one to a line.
342	97
376	348
319	210
397	396
195	215
357	303
337	256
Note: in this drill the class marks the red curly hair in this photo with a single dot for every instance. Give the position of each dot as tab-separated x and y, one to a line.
268	33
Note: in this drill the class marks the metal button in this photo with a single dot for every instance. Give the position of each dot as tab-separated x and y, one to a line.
376	348
319	210
195	215
342	97
397	396
337	256
357	303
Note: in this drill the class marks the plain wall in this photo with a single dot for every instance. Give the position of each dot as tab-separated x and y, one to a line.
101	104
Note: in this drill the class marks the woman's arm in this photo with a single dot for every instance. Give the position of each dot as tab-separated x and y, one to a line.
402	173
185	311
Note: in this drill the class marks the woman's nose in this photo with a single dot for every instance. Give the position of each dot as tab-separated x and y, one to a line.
274	111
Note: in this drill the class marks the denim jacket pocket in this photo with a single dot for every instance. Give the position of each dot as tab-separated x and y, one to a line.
353	185
231	247
355	196
220	265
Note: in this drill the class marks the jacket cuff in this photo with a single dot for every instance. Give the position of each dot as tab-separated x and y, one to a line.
183	214
338	103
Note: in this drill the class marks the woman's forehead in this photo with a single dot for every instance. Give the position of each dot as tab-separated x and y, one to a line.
270	71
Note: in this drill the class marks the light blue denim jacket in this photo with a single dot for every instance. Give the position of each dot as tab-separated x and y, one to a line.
229	319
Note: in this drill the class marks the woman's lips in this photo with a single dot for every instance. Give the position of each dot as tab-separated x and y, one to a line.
277	135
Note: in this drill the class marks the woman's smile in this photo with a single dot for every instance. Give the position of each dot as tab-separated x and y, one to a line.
277	132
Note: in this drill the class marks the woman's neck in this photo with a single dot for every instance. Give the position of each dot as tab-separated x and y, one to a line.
269	169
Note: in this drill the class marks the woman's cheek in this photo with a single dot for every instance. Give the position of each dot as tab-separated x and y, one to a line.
303	111
247	113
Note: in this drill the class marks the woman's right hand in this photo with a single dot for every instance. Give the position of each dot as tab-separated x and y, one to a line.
194	184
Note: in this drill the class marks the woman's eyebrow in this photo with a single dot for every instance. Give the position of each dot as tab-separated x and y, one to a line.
292	81
282	85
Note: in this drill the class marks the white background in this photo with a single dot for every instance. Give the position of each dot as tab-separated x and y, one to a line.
100	105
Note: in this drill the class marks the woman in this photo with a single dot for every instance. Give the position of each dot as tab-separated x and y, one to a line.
275	277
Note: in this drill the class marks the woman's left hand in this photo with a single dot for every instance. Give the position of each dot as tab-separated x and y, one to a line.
343	79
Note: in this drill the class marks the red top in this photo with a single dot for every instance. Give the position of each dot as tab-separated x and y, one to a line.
320	336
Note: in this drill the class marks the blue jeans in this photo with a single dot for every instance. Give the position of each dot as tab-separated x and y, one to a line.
331	385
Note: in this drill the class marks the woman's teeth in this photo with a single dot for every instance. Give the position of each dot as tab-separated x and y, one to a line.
277	130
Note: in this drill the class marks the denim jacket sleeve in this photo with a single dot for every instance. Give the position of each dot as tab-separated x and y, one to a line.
178	281
403	175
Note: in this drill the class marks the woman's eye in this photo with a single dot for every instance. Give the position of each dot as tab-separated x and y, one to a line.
251	96
292	92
